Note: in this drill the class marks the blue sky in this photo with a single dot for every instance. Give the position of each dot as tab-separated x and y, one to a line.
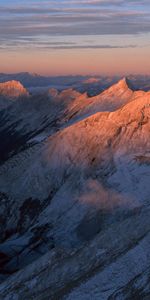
72	25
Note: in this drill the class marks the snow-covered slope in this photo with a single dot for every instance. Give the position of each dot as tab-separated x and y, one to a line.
72	204
114	265
111	99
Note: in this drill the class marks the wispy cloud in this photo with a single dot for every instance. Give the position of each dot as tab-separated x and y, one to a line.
71	18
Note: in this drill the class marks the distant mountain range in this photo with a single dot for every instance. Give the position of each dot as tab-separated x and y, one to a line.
90	84
74	188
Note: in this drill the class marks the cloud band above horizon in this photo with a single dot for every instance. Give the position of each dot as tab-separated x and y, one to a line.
69	25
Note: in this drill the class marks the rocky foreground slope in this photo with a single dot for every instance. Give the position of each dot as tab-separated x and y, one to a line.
74	207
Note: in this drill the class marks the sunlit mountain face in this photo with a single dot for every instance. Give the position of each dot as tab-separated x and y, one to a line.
74	150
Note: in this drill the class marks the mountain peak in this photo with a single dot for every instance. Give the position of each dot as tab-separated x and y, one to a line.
13	89
124	83
91	80
52	92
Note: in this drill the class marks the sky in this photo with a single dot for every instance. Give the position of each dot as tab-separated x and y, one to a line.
64	37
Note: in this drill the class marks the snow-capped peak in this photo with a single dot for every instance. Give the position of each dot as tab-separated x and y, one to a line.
122	84
12	89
